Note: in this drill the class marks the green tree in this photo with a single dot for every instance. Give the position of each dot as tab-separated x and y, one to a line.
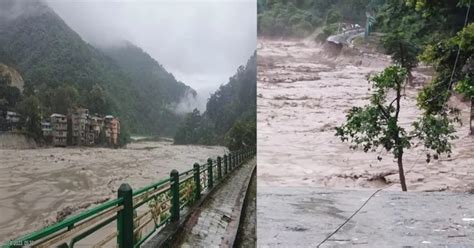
241	135
124	137
30	111
377	124
97	100
451	69
64	98
188	130
402	50
9	95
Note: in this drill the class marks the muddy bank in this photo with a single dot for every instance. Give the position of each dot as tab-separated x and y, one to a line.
304	93
40	186
10	140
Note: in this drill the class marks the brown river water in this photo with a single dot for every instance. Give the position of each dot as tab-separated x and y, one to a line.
35	184
303	94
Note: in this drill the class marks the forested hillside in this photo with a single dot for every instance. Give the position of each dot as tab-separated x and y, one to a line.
159	88
230	117
61	70
299	18
438	33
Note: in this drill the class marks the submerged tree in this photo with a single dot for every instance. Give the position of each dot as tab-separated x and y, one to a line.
378	125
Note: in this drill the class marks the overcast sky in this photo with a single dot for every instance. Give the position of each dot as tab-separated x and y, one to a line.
202	42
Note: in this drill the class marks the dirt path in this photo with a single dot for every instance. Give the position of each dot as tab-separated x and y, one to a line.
303	95
35	184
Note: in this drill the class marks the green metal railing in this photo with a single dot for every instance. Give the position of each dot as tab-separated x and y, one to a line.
137	214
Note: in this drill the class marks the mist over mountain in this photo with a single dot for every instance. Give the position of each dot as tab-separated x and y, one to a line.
200	42
53	59
230	116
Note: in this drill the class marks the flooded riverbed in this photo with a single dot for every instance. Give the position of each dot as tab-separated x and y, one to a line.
37	183
303	94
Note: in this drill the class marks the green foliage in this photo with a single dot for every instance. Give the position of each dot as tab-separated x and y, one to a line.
377	124
124	137
241	135
9	95
30	111
285	19
433	31
299	18
436	131
229	111
63	98
157	89
97	100
194	130
443	57
54	61
403	51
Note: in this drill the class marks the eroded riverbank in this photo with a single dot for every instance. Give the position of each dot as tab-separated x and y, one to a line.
36	184
303	94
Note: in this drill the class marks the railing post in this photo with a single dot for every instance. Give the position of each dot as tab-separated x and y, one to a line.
125	217
174	175
197	181
210	181
234	158
225	164
219	168
238	158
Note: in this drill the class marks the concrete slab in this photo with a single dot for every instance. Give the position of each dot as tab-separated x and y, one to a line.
304	216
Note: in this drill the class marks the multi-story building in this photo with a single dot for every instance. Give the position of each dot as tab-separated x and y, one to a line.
112	129
46	128
47	131
78	121
59	129
96	125
12	120
115	132
79	128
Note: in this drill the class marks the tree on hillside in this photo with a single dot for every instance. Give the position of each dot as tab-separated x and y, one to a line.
187	132
97	100
444	57
64	98
30	111
9	95
402	50
378	125
241	135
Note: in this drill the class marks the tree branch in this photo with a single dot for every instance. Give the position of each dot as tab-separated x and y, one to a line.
386	115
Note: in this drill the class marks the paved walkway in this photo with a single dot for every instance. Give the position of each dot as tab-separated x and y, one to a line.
219	216
304	216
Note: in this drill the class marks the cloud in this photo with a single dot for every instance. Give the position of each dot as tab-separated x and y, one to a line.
201	42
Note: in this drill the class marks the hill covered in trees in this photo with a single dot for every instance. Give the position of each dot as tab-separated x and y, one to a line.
230	117
299	18
61	70
438	33
158	88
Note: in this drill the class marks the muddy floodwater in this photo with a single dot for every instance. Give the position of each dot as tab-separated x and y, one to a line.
303	94
37	184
